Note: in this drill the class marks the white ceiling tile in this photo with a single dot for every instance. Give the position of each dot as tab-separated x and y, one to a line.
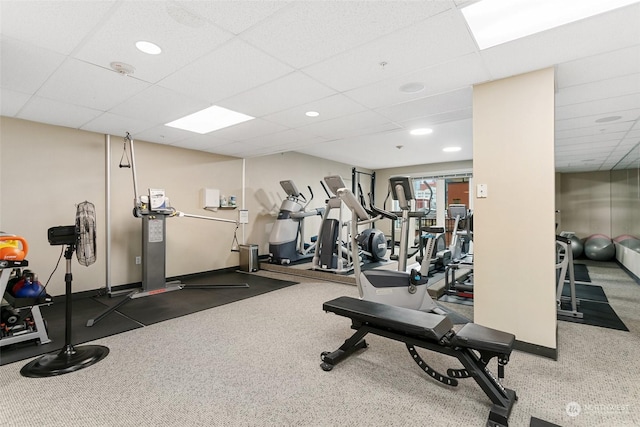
88	85
588	148
55	112
440	38
574	132
598	67
11	102
163	134
150	21
55	25
248	129
227	71
113	124
457	74
429	105
603	89
330	107
598	107
25	67
284	93
566	43
438	118
150	105
270	144
590	121
303	33
354	124
206	142
383	152
234	16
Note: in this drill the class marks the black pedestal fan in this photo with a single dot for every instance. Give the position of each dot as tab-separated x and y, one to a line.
80	238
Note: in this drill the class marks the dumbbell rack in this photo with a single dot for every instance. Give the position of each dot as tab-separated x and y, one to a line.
40	332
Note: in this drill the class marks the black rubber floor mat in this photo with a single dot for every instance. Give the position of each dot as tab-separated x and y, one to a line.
137	312
589	292
597	314
54	317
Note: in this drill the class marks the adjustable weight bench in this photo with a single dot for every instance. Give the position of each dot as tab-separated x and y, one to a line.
473	345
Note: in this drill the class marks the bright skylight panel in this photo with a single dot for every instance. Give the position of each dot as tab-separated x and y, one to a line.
209	119
494	22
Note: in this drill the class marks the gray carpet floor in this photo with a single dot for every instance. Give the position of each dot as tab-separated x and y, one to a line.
255	362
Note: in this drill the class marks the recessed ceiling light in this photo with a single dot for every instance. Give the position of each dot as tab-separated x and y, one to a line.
414	87
148	47
608	119
209	119
451	149
421	131
494	22
312	114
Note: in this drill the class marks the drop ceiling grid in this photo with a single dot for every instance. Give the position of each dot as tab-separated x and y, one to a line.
117	125
599	90
330	107
151	105
163	135
446	77
612	106
230	70
25	67
439	39
603	66
45	110
278	95
304	33
55	25
429	105
237	16
344	126
566	43
149	21
590	121
249	129
572	132
12	102
77	82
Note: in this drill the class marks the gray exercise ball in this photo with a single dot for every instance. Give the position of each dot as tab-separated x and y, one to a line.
599	248
577	247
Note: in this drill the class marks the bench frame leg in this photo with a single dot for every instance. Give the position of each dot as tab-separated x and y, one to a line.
502	398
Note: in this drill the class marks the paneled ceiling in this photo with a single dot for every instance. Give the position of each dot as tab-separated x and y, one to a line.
357	63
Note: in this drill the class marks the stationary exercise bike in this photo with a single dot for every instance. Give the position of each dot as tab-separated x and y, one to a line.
286	241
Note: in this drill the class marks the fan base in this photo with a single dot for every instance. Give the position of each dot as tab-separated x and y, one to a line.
69	359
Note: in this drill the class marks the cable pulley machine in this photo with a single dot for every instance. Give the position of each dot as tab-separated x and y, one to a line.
153	209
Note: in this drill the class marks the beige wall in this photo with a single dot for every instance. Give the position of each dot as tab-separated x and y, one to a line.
585	206
264	193
46	170
625	202
513	145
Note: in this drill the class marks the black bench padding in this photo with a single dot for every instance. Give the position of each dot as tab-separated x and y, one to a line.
482	338
417	323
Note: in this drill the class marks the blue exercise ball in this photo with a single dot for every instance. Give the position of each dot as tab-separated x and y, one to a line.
30	290
599	247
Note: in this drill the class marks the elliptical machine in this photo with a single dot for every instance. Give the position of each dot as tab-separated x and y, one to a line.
286	241
338	255
398	288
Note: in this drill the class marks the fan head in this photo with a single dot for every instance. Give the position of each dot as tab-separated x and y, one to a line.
86	229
